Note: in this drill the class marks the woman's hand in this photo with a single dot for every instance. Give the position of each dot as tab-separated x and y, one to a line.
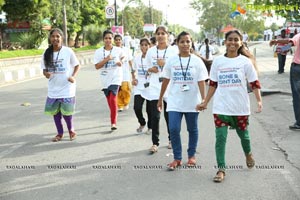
71	79
153	70
134	82
47	74
161	62
202	106
259	107
159	105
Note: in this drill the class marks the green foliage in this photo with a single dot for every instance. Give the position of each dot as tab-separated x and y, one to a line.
93	35
215	15
29	40
289	9
274	27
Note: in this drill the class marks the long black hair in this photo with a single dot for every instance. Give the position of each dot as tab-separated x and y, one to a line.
243	50
207	48
48	55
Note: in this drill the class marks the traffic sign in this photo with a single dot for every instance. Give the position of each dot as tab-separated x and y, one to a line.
110	12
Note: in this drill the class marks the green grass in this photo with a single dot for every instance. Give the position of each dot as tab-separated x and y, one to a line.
36	52
20	53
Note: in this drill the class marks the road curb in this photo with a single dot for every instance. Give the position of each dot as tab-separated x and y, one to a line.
20	69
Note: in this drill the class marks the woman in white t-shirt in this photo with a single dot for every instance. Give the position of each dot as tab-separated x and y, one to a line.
108	60
206	51
124	94
156	58
60	66
185	74
231	105
140	82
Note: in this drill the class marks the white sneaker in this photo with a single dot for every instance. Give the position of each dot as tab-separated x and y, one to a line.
139	130
149	131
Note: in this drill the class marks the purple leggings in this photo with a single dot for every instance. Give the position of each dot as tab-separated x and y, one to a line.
58	123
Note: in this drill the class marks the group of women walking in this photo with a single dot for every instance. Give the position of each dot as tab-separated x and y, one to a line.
170	79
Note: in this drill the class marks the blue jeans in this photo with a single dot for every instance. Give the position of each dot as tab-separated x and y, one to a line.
295	86
191	119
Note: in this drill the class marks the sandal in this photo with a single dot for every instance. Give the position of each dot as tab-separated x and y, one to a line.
57	138
170	145
250	161
153	149
72	135
191	161
173	165
219	176
140	129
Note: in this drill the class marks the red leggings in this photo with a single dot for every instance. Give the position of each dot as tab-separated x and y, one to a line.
112	104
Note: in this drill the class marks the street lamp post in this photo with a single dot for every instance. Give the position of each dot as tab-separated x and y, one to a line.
116	15
150	12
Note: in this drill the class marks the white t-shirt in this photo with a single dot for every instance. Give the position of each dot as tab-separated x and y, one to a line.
110	73
153	91
126	41
203	51
140	66
126	67
245	37
231	96
58	84
184	92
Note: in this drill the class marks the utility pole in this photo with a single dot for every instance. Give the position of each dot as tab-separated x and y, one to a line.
65	23
116	15
150	12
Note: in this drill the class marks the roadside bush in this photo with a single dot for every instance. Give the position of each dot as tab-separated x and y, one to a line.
29	40
93	35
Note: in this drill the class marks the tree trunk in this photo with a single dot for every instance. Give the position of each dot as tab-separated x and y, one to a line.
76	44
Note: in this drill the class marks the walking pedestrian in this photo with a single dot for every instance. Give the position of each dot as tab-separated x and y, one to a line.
60	66
294	76
281	55
108	60
231	105
156	58
185	74
140	81
124	94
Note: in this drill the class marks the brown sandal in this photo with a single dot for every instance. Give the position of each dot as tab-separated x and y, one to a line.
173	165
191	161
250	161
72	135
219	176
57	138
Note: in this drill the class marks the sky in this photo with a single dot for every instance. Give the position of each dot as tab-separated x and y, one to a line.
180	12
175	11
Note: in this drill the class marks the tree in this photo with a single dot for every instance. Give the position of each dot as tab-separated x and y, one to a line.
80	13
33	11
289	9
215	14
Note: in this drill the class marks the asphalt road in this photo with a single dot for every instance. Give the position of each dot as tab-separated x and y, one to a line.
105	165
